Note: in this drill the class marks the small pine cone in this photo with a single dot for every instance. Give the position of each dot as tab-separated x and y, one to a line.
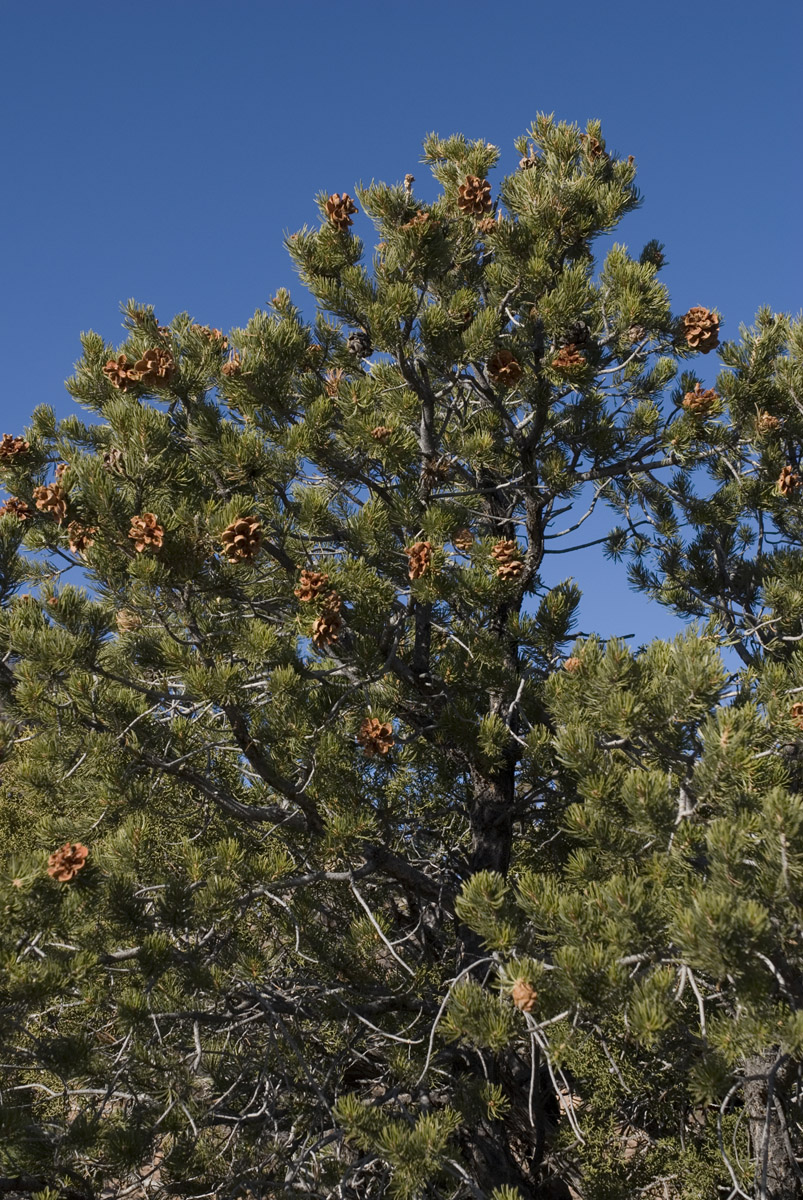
636	333
146	532
577	335
531	160
420	218
375	736
113	461
332	381
339	210
51	499
120	373
700	402
507	556
766	423
572	664
156	367
592	146
326	627
358	343
474	196
796	713
310	585
15	507
241	540
65	863
127	621
232	365
61	470
420	556
12	448
523	995
80	536
436	469
216	337
463	540
789	481
568	359
702	329
487	225
380	433
504	368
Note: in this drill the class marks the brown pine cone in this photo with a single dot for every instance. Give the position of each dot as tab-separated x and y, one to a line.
420	218
339	209
127	621
420	556
523	995
487	225
789	481
463	540
592	146
120	373
700	402
15	507
332	381
507	555
80	536
504	368
216	337
636	333
766	423
310	585
51	499
156	367
12	448
568	359
113	461
242	539
474	196
65	863
326	627
572	664
232	365
61	470
531	160
702	329
380	433
375	736
146	532
796	713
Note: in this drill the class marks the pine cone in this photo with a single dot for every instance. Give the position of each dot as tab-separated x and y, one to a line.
702	329
216	337
592	146
572	664
358	343
789	481
326	627
523	995
577	335
766	423
61	470
156	367
507	555
420	218
437	468
474	196
113	461
232	365
15	507
568	359
51	499
796	713
241	540
146	532
339	210
375	736
127	621
700	402
380	433
12	448
487	225
332	381
636	333
463	540
530	161
420	556
504	368
65	863
310	585
120	373
80	536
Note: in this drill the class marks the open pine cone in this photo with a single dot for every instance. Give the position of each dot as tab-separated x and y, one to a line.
700	401
504	368
310	585
232	365
375	736
241	540
420	556
113	461
702	329
65	863
156	367
15	507
380	433
120	373
523	995
568	358
127	621
463	540
474	196
146	532
358	343
789	481
766	423
339	210
327	626
12	448
508	556
80	536
51	499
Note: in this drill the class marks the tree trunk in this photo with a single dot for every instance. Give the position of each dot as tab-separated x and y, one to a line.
767	1078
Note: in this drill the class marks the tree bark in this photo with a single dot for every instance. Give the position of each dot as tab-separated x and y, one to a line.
766	1089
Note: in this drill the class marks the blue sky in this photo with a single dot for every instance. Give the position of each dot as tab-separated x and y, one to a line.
160	150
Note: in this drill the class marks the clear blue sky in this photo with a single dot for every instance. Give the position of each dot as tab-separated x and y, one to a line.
160	149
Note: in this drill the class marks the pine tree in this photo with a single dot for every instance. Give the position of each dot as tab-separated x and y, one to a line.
335	864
